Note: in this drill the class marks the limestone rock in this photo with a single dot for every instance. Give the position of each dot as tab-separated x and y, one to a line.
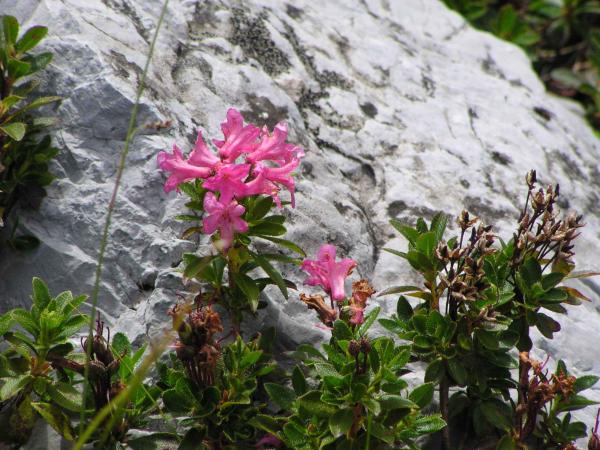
403	110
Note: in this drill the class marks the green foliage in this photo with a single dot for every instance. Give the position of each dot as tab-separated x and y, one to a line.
238	289
37	340
218	410
477	305
24	150
562	38
351	397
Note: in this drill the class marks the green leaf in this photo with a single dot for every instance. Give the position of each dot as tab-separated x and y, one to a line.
31	38
272	273
428	424
120	344
15	130
457	371
585	382
409	233
65	395
195	264
551	280
191	440
507	443
547	325
285	243
390	402
574	403
399	290
38	102
282	396
434	371
403	309
369	319
313	405
260	208
41	295
58	420
531	271
248	287
298	381
12	386
341	422
72	326
250	358
154	441
438	225
265	423
497	413
267	229
341	331
426	244
487	339
10	27
422	395
25	319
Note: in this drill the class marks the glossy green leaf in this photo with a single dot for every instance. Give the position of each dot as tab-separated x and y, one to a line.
31	38
57	419
341	422
272	273
14	130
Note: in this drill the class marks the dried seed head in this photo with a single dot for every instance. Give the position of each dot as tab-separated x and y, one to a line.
531	178
354	348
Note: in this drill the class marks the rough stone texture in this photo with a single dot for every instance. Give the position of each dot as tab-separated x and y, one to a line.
403	109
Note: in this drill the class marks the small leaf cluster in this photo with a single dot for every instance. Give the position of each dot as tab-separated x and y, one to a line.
24	150
562	38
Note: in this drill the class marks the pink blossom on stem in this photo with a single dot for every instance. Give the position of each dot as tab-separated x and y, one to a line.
181	170
225	217
358	315
268	178
238	138
229	181
202	156
325	271
273	147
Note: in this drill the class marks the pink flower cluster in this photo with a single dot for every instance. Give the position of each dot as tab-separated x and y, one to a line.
250	161
331	274
325	271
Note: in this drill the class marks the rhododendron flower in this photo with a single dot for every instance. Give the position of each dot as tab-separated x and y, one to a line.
229	181
358	315
225	217
325	271
273	147
238	138
181	170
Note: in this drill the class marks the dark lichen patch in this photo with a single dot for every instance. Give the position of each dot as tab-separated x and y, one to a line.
263	112
569	167
324	79
543	113
489	66
293	12
120	64
485	211
363	176
396	208
428	84
369	109
465	183
252	35
501	158
342	209
128	11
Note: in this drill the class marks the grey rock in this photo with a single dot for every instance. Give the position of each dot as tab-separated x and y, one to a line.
403	110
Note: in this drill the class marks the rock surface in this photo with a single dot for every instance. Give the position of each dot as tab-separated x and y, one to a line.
402	108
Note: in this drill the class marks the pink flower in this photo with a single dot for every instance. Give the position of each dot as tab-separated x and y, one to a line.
274	148
202	156
268	178
325	271
238	138
181	170
229	181
358	315
269	441
225	217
